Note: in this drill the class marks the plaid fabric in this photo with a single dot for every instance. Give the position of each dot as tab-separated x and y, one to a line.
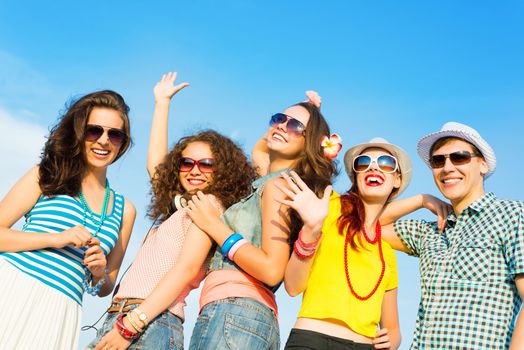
469	298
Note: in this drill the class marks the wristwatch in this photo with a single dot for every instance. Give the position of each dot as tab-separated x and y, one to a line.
141	316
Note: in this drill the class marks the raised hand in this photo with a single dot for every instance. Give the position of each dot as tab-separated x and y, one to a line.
312	210
165	89
437	207
314	98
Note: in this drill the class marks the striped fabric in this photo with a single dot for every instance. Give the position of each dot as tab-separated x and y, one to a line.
62	268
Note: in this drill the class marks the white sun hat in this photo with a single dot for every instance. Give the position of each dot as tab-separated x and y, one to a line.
461	131
404	162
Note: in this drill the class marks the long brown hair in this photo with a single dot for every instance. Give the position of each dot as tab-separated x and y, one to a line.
63	164
313	167
232	174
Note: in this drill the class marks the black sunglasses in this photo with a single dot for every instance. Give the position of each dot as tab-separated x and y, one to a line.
294	126
186	164
457	158
93	132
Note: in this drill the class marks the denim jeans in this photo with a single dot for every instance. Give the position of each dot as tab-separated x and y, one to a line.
236	324
165	332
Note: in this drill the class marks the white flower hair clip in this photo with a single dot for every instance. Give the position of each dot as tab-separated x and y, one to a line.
331	145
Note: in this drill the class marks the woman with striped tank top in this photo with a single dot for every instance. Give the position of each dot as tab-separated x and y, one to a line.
76	227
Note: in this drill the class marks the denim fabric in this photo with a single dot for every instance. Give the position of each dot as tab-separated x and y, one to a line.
165	332
236	324
244	217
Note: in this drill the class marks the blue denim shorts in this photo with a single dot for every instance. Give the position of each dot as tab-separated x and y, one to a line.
165	332
236	324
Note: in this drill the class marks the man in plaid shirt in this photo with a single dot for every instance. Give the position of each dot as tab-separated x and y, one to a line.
472	273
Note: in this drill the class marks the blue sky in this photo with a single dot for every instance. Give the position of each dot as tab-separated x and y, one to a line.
394	69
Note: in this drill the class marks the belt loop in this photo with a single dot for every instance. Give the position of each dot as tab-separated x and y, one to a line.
122	305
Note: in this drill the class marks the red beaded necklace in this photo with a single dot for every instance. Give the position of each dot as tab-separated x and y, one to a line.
377	239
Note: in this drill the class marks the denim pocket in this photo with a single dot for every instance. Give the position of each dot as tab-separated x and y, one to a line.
472	260
242	333
165	332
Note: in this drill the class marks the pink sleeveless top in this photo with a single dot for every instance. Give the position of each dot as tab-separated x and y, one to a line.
158	254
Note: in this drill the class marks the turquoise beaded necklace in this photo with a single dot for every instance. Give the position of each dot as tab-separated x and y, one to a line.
94	290
88	211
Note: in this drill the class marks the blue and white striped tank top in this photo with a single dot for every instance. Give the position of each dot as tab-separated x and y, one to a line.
62	269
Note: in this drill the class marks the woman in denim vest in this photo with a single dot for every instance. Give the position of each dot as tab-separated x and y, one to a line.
238	308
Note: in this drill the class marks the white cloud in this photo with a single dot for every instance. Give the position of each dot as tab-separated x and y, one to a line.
20	144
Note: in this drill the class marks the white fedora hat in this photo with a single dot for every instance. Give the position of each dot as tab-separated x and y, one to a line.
461	131
404	163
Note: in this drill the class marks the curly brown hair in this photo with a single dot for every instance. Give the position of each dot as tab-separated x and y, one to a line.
63	164
313	167
232	174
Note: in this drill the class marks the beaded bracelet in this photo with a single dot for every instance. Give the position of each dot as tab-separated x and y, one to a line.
313	245
229	242
305	250
88	286
235	247
123	331
302	255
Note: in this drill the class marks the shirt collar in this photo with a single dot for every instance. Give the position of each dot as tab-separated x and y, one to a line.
485	201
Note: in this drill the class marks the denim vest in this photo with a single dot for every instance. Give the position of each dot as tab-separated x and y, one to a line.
244	217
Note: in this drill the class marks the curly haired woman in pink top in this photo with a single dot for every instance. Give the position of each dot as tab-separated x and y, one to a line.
147	312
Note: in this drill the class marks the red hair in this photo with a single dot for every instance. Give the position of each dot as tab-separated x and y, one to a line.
352	216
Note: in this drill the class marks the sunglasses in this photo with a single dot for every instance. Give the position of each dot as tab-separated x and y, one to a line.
456	158
294	126
187	164
93	132
386	163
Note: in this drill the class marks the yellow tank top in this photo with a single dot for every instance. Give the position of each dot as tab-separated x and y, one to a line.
328	296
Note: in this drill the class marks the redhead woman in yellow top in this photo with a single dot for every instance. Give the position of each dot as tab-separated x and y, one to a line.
347	272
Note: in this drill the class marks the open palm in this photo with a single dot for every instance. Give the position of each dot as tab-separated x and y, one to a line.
165	89
312	210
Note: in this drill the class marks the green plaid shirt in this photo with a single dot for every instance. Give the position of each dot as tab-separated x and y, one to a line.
469	298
